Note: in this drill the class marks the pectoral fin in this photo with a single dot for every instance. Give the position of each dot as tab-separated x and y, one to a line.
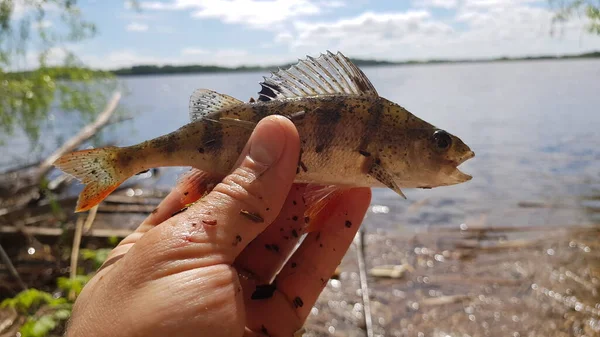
378	172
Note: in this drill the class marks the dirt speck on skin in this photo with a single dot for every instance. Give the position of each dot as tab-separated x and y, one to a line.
252	216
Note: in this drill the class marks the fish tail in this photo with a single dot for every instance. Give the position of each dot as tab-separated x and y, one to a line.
98	169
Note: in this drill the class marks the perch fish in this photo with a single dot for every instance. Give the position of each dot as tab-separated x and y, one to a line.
350	136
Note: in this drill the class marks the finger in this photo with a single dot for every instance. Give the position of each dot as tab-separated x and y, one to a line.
216	228
265	255
285	304
189	188
306	273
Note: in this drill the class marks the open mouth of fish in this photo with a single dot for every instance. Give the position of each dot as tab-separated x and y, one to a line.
457	175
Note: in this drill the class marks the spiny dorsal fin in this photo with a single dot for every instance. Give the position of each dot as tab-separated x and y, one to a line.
328	74
204	102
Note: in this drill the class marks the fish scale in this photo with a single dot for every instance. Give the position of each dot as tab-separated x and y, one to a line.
350	136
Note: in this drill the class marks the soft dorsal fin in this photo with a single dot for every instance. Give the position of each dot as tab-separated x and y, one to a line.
328	74
204	101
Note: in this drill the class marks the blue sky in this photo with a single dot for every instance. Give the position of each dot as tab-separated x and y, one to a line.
234	32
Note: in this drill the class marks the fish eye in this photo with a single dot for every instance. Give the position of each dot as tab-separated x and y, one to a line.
442	139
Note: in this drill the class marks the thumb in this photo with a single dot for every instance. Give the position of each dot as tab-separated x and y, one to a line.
218	227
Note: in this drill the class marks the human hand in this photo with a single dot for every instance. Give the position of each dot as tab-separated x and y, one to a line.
202	272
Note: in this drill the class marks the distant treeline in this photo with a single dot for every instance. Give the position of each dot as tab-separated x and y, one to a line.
62	72
169	69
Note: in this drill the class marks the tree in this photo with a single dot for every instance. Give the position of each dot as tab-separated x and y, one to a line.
38	70
567	9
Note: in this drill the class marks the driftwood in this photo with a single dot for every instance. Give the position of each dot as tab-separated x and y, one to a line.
20	189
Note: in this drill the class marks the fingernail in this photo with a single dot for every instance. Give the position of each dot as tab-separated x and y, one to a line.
267	142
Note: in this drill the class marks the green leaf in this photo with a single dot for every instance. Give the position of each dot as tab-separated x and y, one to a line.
62	314
43	326
28	301
98	255
76	285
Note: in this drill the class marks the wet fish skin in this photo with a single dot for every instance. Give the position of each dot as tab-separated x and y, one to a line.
347	139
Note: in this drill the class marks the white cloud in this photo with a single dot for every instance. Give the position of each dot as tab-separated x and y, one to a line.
194	51
124	58
257	14
42	24
489	4
136	27
370	33
189	55
448	4
284	37
478	28
488	28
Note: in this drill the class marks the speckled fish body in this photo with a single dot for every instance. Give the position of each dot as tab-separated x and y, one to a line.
332	129
350	136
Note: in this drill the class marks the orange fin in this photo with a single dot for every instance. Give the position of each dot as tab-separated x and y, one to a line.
96	168
319	201
196	183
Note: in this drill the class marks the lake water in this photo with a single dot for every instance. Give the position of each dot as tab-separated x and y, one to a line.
533	126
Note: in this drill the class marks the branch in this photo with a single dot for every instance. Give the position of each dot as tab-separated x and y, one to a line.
85	134
11	268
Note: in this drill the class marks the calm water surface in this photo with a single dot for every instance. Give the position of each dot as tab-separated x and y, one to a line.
533	126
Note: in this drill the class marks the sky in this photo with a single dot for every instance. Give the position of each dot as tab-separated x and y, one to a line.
267	32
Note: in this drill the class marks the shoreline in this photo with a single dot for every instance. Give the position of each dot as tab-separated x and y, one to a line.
144	70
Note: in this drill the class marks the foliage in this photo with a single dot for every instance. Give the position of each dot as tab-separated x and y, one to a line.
570	8
42	326
44	311
47	313
31	83
98	256
76	285
29	301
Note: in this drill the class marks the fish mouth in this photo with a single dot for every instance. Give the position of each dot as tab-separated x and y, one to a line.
457	175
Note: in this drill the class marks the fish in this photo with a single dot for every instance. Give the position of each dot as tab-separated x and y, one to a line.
350	137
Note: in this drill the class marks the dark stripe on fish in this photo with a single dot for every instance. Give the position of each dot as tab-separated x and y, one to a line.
327	119
261	110
212	139
375	115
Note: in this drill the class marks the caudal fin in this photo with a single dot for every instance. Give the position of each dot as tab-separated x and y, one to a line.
98	170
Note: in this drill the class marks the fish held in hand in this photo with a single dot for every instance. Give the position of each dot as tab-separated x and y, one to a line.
350	136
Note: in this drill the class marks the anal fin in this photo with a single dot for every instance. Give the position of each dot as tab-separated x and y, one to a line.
319	199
